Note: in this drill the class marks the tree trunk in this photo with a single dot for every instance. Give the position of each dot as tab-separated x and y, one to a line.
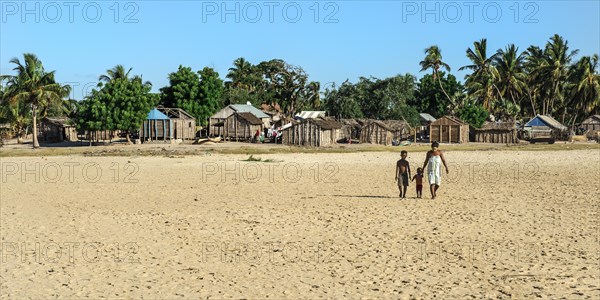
128	139
36	144
20	136
444	91
531	100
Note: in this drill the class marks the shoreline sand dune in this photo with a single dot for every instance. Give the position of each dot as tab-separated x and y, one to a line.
505	225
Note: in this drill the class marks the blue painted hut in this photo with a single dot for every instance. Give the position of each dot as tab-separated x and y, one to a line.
156	127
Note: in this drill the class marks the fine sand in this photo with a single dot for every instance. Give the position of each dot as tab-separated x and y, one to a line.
512	224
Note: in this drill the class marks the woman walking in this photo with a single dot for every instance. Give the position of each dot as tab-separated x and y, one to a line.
435	159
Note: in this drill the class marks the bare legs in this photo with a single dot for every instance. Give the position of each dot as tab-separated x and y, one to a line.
433	188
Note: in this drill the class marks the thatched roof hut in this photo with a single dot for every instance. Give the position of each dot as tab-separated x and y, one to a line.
350	129
56	130
449	129
592	123
495	132
312	132
399	128
376	132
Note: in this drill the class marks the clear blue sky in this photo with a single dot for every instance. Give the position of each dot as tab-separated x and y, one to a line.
370	38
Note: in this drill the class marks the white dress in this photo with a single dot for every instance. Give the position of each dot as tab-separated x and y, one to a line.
433	170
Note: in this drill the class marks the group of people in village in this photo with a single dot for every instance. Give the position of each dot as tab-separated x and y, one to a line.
433	163
273	133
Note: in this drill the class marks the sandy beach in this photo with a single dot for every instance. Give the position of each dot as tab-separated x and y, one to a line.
506	224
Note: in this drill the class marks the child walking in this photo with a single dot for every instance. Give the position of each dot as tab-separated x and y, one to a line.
419	178
402	173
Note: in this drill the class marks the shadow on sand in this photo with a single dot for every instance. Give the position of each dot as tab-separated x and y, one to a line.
364	196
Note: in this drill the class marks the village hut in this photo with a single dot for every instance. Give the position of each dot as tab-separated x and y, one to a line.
55	130
350	129
376	132
184	124
449	129
215	122
543	126
399	128
312	132
425	120
592	123
495	132
241	126
156	127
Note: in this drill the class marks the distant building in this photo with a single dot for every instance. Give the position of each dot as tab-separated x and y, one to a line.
546	127
184	124
495	132
312	132
240	126
224	113
449	129
423	130
592	123
55	130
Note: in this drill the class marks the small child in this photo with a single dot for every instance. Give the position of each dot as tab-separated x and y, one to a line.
419	178
402	173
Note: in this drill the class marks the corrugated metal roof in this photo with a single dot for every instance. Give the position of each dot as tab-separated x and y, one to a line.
542	120
175	112
310	114
427	117
155	114
249	108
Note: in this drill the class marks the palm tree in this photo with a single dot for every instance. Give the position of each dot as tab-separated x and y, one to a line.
512	78
313	96
585	92
118	72
555	70
534	60
433	61
35	87
480	81
240	73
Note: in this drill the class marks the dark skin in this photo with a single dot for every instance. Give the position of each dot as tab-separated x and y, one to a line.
402	167
434	152
419	178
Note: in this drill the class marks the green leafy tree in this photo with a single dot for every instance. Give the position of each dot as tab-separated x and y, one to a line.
472	113
18	116
430	99
183	90
211	91
271	82
93	114
199	93
122	103
341	102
